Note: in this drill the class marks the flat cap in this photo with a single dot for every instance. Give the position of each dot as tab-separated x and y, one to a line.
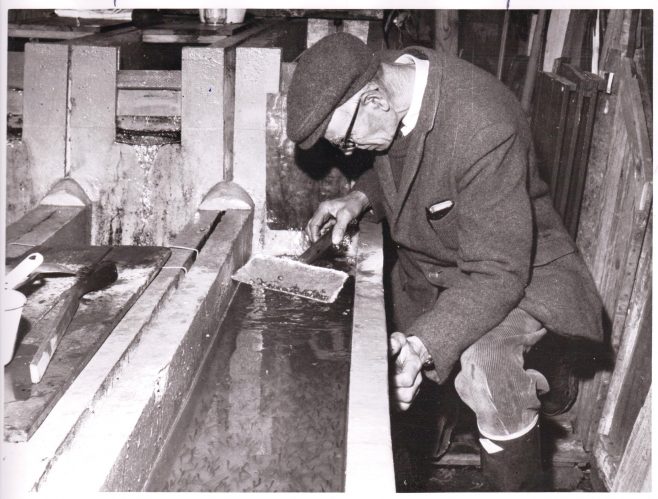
327	75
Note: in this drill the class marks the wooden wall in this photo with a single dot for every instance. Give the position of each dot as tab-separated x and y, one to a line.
614	236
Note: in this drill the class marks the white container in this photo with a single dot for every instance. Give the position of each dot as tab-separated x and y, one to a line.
12	304
235	15
212	16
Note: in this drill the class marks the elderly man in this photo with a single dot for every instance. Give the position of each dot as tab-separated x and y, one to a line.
484	265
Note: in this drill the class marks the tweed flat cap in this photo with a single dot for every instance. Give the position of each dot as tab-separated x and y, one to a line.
326	76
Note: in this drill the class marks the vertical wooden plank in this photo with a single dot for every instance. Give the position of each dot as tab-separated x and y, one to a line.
44	114
634	473
557	28
446	31
359	29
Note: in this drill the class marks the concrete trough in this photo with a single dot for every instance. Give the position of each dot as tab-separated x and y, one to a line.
109	427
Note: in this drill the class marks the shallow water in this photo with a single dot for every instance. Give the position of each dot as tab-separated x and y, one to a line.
269	411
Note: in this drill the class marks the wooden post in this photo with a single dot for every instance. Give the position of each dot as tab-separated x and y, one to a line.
446	31
503	43
533	62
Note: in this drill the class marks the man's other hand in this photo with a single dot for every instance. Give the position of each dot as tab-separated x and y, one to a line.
338	212
408	366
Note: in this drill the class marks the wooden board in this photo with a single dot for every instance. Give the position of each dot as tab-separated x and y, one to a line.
190	31
28	404
62	28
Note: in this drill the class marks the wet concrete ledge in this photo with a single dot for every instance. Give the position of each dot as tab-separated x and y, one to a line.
121	430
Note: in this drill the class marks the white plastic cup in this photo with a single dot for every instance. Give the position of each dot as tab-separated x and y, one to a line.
13	303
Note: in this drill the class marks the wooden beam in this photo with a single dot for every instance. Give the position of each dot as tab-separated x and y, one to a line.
148	102
149	79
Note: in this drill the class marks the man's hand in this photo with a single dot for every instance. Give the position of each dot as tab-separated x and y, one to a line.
408	355
338	212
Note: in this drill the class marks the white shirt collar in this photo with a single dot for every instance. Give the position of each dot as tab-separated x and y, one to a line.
420	82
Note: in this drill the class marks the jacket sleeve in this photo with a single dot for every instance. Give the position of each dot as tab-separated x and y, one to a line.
368	183
494	221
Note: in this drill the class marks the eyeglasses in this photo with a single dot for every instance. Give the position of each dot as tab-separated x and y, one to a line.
347	143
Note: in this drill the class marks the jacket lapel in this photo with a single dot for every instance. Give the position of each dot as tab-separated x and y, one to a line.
423	127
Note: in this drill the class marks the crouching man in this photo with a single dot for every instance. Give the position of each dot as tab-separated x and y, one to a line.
484	266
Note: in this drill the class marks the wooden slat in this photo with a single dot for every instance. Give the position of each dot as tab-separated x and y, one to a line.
48	225
632	374
145	124
149	79
148	103
634	473
183	38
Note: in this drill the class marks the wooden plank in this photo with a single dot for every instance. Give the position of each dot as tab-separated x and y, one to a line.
48	225
557	27
15	67
148	124
182	38
632	375
446	30
151	79
634	473
255	29
99	312
148	102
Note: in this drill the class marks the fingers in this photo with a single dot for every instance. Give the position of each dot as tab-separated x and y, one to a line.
317	221
405	395
395	342
408	377
343	219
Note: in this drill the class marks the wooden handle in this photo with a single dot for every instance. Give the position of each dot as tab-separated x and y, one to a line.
317	249
54	324
57	321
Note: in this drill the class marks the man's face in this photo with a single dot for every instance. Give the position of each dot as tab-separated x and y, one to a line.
375	124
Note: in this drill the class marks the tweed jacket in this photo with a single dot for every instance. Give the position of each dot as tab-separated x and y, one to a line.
501	245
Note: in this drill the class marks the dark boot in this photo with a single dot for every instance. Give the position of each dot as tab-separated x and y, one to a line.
517	467
553	356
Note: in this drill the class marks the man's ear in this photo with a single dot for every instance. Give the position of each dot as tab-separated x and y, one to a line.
375	97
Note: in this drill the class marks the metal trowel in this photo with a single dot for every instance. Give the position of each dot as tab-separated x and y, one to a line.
296	277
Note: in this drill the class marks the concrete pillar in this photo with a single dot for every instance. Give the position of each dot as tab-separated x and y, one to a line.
208	88
44	114
257	74
92	116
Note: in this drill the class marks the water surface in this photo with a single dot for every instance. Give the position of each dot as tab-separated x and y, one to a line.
269	411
